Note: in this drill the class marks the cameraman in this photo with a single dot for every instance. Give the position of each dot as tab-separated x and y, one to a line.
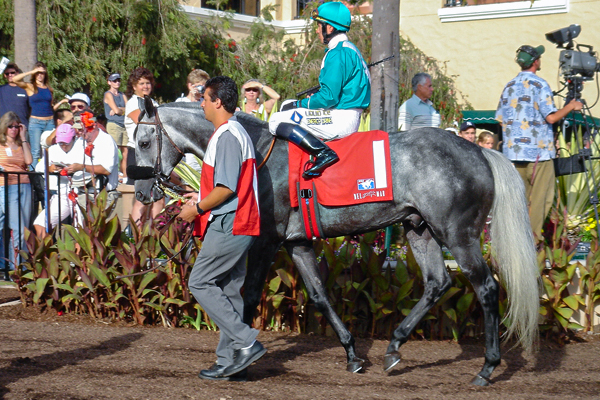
526	112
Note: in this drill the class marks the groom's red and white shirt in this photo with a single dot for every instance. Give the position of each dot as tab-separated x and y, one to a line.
233	166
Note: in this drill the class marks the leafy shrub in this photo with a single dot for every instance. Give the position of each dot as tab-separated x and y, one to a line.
78	272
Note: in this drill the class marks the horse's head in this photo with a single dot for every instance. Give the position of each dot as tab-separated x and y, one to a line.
156	154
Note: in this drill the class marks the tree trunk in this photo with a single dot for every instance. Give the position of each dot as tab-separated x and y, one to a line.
385	76
25	34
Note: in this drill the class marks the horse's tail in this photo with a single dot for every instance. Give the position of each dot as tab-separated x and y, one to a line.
514	250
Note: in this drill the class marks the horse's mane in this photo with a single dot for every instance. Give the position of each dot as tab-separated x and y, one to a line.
182	104
254	126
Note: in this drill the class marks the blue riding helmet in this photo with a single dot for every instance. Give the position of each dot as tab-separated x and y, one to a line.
335	14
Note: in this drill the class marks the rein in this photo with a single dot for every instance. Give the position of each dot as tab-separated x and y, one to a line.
161	233
268	154
162	183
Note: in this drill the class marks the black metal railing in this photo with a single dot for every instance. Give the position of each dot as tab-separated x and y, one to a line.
10	251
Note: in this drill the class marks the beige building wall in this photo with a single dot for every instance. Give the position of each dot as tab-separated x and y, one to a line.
480	53
241	24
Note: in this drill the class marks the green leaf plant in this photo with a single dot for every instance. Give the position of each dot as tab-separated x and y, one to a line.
75	270
590	283
558	304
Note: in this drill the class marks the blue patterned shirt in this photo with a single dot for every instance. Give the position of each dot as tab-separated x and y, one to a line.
525	103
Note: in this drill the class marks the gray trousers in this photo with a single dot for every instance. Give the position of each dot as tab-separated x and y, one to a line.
216	280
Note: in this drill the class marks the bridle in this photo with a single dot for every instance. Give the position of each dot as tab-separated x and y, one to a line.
161	181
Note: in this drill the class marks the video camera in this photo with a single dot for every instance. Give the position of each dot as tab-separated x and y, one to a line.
574	62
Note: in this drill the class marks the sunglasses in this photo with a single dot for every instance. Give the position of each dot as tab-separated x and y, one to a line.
64	143
252	90
78	107
14	126
117	80
10	73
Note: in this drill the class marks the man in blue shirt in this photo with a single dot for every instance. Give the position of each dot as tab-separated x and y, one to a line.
418	111
526	112
12	97
334	111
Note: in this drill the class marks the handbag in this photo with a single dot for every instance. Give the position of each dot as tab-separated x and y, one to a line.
37	187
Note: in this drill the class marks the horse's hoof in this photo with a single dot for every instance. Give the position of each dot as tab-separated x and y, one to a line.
390	360
479	381
355	365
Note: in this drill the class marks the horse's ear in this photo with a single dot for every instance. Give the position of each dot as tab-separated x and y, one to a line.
146	106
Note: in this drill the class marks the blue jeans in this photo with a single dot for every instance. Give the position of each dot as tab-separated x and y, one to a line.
15	210
36	127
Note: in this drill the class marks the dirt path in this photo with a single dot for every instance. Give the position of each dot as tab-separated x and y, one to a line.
50	357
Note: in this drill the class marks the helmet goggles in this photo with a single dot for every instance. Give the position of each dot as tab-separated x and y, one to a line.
315	16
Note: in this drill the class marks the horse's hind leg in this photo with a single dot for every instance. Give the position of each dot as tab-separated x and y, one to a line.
304	258
474	267
428	255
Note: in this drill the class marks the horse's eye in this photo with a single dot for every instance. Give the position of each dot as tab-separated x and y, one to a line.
144	145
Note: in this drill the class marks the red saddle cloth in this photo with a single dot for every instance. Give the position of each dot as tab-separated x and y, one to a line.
363	174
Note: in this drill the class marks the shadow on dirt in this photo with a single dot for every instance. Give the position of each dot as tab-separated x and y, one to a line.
544	361
273	364
25	367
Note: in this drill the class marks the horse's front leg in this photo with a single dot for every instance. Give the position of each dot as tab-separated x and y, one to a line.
304	258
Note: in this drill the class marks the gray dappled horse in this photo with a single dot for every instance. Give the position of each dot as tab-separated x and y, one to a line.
444	189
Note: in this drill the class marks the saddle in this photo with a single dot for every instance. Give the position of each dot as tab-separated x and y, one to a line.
363	175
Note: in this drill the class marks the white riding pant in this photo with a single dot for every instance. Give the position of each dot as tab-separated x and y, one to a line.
324	124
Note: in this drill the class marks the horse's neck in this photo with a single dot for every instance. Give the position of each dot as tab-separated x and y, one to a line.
188	129
193	131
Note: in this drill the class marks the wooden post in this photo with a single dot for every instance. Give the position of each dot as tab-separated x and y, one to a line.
25	34
385	76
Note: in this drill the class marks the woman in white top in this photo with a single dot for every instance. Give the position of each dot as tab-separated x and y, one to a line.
253	100
139	84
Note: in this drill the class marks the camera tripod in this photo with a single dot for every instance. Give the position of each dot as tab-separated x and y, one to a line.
585	142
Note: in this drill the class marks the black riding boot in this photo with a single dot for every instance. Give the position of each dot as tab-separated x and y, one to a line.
324	156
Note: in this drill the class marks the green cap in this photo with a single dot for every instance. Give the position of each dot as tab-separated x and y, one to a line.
526	55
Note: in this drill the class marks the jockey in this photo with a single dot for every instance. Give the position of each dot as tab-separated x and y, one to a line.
335	110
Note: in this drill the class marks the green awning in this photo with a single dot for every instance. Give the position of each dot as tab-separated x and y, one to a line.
480	117
579	120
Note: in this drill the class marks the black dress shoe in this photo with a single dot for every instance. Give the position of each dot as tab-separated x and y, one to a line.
215	373
242	358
